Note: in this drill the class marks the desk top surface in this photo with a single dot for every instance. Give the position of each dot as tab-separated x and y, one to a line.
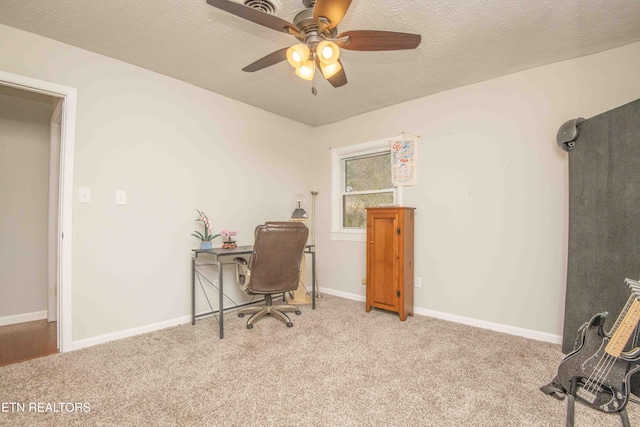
238	250
220	251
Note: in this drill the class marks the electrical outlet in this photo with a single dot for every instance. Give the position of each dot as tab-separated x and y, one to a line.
364	281
417	282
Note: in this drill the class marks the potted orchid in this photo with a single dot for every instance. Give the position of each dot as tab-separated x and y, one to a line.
205	237
228	239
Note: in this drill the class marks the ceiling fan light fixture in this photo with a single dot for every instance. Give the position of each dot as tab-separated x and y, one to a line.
330	70
316	29
298	55
306	71
328	52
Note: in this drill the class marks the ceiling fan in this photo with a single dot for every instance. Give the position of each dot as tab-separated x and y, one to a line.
316	28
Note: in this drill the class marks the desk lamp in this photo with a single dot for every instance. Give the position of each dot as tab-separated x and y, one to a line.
299	214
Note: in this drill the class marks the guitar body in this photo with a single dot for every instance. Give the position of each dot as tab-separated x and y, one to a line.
601	380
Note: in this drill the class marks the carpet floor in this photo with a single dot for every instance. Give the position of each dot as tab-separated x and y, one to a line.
338	366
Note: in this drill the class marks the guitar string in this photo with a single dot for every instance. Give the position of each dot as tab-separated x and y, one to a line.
609	359
593	384
602	372
599	381
605	364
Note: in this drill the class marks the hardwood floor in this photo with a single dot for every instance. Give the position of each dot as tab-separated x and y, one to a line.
24	341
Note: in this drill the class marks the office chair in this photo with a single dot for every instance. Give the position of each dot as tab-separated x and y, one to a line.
274	268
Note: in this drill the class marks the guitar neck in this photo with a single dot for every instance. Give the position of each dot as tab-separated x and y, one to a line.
622	313
624	327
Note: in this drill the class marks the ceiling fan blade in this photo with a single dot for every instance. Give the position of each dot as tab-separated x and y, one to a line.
267	61
338	79
333	10
371	40
254	15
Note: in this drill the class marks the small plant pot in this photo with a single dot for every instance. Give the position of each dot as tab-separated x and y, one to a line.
229	245
206	245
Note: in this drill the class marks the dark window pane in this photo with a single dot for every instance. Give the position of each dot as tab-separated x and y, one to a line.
354	215
368	173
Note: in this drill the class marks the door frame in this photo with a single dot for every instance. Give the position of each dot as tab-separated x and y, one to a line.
68	95
55	126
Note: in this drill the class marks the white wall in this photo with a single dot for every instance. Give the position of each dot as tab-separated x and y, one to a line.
24	192
174	148
491	230
492	211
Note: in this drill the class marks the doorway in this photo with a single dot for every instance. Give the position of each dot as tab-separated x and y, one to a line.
29	193
59	233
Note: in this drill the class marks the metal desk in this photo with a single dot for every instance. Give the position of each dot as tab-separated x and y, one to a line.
219	256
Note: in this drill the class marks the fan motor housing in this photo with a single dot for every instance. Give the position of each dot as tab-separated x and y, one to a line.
304	21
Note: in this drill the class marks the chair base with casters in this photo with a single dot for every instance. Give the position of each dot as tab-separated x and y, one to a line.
269	310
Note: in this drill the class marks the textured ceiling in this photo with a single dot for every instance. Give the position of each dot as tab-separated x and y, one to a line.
463	41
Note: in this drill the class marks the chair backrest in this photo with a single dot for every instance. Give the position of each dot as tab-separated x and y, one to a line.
277	253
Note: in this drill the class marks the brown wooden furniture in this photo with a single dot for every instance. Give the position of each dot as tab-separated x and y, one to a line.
390	259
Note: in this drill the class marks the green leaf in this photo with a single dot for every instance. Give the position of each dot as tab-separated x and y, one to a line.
198	235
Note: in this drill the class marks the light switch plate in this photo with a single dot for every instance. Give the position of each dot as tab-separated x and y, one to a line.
84	195
121	198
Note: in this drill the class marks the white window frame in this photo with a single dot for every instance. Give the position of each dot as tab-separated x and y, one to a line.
338	232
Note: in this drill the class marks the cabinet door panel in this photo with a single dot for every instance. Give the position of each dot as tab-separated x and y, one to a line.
384	258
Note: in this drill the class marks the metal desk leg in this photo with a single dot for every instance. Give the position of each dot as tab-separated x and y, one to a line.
193	291
313	279
220	300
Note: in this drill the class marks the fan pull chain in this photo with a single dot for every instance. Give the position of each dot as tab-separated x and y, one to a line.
314	91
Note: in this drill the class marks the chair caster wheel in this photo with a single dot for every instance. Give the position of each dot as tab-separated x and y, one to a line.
240	314
289	325
298	312
249	326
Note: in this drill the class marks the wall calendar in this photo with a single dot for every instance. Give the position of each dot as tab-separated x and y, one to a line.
404	160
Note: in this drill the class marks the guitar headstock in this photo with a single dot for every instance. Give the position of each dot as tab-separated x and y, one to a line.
634	285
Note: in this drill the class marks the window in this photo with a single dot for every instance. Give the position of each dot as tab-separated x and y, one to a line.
361	177
367	182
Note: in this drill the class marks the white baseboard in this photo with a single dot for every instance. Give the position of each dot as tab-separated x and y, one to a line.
101	339
346	295
511	330
21	318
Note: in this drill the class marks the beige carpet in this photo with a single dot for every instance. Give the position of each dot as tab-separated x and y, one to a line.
338	366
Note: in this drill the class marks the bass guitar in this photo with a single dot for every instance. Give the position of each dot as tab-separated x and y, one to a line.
598	371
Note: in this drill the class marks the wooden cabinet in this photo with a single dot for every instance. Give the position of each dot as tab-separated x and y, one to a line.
390	259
